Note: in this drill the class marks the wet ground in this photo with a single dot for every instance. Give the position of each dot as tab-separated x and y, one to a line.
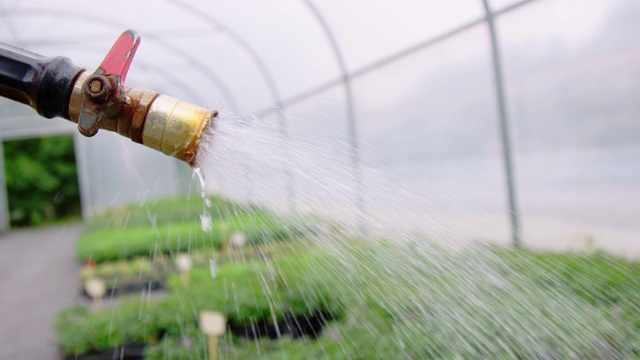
38	278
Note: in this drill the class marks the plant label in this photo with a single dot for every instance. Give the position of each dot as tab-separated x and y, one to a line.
212	323
95	287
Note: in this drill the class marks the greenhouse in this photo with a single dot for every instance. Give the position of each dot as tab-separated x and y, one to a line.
381	179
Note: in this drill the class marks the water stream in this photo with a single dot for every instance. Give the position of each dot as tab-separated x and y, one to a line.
445	293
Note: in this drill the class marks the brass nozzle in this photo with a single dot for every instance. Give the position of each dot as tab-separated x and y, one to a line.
161	122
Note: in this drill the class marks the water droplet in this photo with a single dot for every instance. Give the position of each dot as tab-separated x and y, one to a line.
213	267
205	216
198	172
238	239
205	221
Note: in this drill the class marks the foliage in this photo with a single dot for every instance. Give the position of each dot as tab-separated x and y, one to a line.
157	268
241	290
381	313
599	278
130	242
253	291
41	180
139	269
162	211
122	268
134	322
107	245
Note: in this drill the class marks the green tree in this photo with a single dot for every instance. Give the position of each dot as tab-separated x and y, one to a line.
42	182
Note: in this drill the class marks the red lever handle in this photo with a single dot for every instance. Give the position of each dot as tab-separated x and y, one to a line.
103	91
119	58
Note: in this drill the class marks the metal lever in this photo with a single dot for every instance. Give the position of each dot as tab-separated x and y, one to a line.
103	92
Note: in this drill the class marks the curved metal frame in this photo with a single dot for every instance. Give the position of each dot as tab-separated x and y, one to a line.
242	43
304	95
351	116
78	16
266	75
505	132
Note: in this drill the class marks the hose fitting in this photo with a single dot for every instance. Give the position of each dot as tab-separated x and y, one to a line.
161	122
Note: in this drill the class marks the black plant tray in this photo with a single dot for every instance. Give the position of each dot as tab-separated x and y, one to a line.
309	325
129	352
131	288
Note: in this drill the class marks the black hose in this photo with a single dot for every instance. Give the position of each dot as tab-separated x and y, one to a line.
43	83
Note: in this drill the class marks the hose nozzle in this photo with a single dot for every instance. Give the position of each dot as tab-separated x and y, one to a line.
101	101
161	122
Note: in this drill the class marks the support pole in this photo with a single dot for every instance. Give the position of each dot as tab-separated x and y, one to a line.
352	131
504	129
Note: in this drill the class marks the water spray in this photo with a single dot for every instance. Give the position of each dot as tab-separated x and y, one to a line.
55	87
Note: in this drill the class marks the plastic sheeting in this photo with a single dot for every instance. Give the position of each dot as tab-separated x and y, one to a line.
423	96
